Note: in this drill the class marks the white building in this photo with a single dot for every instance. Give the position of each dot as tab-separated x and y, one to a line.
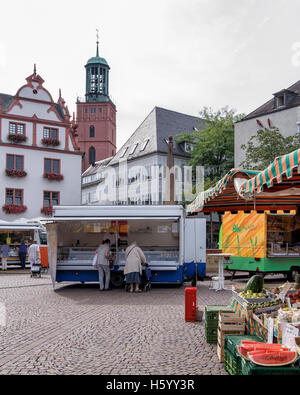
137	173
40	161
282	112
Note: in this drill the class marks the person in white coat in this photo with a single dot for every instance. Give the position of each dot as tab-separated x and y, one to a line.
34	255
133	268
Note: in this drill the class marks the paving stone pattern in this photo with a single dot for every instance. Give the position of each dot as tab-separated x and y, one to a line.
78	330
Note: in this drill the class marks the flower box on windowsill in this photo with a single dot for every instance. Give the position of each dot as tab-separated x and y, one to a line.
54	176
14	209
16	173
17	138
47	211
50	142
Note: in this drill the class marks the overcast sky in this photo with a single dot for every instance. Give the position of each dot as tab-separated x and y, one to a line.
177	54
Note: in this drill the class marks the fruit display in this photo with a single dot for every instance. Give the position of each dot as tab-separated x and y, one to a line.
255	284
264	354
271	303
251	295
274	358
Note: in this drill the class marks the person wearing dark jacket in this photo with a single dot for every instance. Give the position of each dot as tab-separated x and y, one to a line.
23	254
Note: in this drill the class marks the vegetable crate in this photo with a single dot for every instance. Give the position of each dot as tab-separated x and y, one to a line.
250	369
232	358
229	324
212	322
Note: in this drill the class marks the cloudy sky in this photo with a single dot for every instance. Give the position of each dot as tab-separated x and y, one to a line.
177	54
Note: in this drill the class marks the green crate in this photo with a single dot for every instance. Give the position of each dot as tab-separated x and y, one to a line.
232	341
212	313
250	369
211	339
232	363
211	332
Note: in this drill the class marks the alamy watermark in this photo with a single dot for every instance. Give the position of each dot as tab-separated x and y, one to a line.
152	184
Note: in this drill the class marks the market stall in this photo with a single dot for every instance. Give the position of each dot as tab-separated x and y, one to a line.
14	233
258	333
261	217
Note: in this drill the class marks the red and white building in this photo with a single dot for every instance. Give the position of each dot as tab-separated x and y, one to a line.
40	160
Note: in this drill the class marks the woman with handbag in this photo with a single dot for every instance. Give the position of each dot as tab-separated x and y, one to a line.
103	265
133	268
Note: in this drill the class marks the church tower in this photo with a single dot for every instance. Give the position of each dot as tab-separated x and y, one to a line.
96	114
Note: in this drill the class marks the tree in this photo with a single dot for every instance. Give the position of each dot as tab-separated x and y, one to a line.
213	146
265	146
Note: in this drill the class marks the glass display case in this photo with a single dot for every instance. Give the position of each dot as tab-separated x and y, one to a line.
283	236
159	240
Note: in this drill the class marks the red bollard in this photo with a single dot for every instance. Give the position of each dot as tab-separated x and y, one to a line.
190	304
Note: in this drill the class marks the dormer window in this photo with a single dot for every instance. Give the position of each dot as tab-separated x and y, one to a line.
144	145
280	101
124	152
133	149
188	147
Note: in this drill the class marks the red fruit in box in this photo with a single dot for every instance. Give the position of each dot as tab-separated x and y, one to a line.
278	358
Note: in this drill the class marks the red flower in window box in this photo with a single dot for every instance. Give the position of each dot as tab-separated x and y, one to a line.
14	209
49	141
48	211
54	176
17	138
16	173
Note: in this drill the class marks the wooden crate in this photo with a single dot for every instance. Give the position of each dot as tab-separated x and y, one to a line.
231	322
221	341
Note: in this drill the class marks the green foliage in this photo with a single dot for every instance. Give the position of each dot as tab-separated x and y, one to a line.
213	145
265	146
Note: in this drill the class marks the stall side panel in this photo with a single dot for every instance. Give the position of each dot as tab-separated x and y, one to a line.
244	236
195	248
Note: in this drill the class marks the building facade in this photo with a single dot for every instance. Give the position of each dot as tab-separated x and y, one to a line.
40	161
137	173
282	112
96	114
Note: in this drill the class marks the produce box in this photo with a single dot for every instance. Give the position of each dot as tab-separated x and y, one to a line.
231	363
222	333
212	314
250	369
232	358
230	321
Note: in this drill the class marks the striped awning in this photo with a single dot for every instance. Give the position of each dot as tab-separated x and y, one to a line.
278	171
223	189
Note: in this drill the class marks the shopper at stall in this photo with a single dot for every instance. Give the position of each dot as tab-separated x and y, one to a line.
103	265
4	255
34	255
133	268
23	254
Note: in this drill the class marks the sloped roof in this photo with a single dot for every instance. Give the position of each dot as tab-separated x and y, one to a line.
6	100
156	129
98	165
268	107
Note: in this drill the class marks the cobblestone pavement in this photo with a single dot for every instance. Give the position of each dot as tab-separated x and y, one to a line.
78	330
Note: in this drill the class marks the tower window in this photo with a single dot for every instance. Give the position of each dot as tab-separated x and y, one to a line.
100	110
92	131
92	155
85	110
93	110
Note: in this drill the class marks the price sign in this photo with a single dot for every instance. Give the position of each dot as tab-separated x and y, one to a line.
270	330
289	332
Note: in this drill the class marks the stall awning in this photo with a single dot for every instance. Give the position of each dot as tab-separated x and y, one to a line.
223	194
275	188
285	170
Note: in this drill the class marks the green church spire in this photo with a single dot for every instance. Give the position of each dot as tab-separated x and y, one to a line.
97	77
